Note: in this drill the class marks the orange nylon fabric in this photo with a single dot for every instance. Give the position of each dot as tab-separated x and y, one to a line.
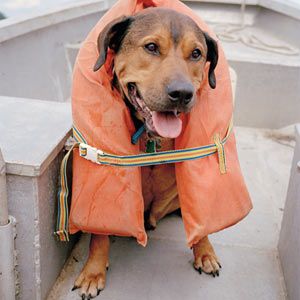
108	199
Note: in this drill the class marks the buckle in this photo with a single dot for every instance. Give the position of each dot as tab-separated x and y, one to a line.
89	153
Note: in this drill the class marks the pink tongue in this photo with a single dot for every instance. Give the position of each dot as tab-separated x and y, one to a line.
167	124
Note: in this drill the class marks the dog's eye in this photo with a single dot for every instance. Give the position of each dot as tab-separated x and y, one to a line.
196	54
152	48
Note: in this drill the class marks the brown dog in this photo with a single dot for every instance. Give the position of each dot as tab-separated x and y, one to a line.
159	63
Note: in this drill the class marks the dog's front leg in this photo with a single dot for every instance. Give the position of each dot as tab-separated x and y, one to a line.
92	277
205	258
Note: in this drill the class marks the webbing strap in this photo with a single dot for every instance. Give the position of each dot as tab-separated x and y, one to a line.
62	225
221	153
99	157
146	159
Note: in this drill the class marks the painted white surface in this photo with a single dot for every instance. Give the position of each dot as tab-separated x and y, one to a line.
289	243
69	9
287	7
7	272
13	8
13	27
32	133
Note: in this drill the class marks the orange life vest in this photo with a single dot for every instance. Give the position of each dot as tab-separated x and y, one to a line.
108	199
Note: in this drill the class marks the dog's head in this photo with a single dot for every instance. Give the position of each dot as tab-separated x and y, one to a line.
159	64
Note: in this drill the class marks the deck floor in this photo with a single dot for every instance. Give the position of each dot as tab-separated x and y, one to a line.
248	251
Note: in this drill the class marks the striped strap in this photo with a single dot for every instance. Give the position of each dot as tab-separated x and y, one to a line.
146	159
221	153
99	157
62	225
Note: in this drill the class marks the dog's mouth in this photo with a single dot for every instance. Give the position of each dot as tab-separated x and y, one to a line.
166	124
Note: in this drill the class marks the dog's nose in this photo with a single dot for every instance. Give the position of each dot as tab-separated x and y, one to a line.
180	92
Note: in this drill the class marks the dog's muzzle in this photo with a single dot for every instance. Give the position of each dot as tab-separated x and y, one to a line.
166	124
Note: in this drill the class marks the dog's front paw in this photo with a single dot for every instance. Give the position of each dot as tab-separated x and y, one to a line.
208	264
90	282
205	258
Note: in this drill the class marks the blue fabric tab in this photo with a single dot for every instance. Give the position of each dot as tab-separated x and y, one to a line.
137	135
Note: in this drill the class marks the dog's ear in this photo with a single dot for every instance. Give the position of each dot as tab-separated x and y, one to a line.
111	37
212	57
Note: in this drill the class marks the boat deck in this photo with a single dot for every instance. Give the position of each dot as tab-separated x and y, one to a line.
247	251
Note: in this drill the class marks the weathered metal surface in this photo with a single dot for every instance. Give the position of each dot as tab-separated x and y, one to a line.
289	242
32	138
